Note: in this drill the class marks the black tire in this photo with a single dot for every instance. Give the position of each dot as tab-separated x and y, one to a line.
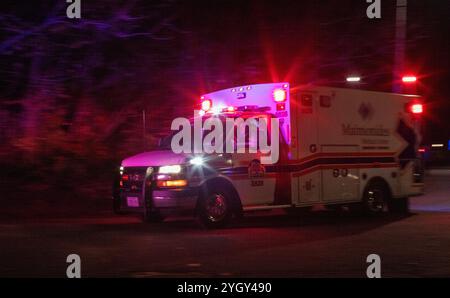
215	207
375	199
399	206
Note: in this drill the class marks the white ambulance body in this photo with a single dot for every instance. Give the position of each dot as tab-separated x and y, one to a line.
338	147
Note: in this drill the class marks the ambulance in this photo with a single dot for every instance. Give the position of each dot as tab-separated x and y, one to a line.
337	148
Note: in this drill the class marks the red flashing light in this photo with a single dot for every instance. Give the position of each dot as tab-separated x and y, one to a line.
409	79
279	95
206	105
281	106
416	108
422	150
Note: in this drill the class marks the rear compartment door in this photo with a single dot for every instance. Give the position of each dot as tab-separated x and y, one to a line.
340	181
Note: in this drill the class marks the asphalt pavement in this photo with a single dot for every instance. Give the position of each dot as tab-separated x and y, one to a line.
271	244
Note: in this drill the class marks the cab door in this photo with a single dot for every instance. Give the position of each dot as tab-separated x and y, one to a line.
305	173
254	182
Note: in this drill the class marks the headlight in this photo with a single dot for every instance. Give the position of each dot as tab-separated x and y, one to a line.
175	169
197	161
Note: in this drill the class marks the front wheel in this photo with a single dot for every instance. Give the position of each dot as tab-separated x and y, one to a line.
215	208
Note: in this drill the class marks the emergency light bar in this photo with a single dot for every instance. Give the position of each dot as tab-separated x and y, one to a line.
260	95
271	98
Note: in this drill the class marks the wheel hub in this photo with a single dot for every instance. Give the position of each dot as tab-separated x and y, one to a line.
216	207
375	200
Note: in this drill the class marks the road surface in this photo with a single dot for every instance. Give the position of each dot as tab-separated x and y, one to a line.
324	244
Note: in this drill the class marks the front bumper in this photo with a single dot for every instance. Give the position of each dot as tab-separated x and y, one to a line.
165	200
185	199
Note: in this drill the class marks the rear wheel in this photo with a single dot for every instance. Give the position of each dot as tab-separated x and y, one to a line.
215	208
375	198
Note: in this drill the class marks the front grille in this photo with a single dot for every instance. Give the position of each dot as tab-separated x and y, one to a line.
135	178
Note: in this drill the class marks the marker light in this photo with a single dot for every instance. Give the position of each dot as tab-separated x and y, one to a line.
416	108
175	169
206	105
279	95
196	161
171	183
437	145
409	79
281	106
353	79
